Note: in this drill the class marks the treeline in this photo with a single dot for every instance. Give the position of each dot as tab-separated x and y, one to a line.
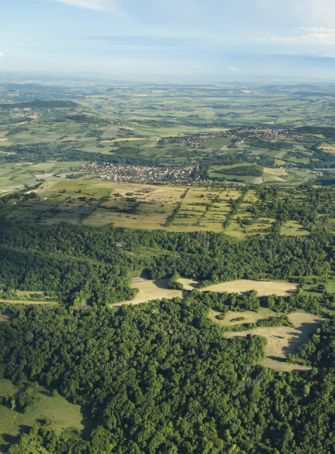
250	302
173	283
327	131
40	103
258	143
235	204
320	350
42	153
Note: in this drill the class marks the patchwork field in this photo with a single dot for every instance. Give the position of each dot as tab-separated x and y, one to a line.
175	208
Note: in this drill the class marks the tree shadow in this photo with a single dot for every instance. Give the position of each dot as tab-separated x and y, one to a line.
277	358
194	284
161	283
301	336
86	421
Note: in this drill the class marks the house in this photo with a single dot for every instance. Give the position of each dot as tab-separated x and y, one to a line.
121	244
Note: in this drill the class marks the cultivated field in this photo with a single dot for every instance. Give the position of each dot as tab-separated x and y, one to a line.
283	340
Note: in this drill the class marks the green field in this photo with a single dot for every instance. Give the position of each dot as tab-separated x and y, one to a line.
44	404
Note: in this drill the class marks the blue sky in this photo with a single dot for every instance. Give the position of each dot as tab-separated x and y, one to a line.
170	37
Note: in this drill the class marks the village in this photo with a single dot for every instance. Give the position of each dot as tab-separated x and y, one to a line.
145	174
25	112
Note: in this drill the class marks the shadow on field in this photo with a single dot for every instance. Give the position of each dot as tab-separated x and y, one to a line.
300	336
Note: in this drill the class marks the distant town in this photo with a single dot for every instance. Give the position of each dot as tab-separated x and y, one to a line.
146	174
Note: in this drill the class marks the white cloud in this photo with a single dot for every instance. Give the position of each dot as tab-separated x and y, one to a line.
312	35
318	29
96	5
233	69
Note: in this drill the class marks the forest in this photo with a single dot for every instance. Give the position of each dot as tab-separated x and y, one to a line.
79	263
161	378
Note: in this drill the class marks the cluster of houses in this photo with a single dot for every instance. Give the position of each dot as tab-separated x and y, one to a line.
268	133
191	141
315	172
26	112
145	174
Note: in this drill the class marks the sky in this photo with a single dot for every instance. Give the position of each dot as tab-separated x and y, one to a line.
292	38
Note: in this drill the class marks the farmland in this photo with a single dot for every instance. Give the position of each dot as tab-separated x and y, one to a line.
167	279
220	130
238	212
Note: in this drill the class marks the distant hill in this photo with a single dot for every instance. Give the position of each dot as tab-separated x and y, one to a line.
39	103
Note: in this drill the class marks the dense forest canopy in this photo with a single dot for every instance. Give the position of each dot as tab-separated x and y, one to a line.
78	263
161	378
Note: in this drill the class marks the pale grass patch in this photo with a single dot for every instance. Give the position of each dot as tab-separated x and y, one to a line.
283	339
263	288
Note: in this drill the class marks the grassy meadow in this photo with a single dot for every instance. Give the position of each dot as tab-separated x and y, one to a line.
62	414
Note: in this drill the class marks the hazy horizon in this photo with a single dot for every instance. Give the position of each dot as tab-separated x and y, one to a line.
109	38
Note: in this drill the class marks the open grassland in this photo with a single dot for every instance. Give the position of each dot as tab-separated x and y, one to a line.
61	413
231	317
263	288
152	290
293	228
283	339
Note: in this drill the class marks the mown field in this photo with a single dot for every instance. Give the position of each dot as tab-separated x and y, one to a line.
152	290
281	340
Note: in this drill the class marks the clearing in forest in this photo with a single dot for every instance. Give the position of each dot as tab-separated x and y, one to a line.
61	413
152	290
232	317
263	288
283	339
